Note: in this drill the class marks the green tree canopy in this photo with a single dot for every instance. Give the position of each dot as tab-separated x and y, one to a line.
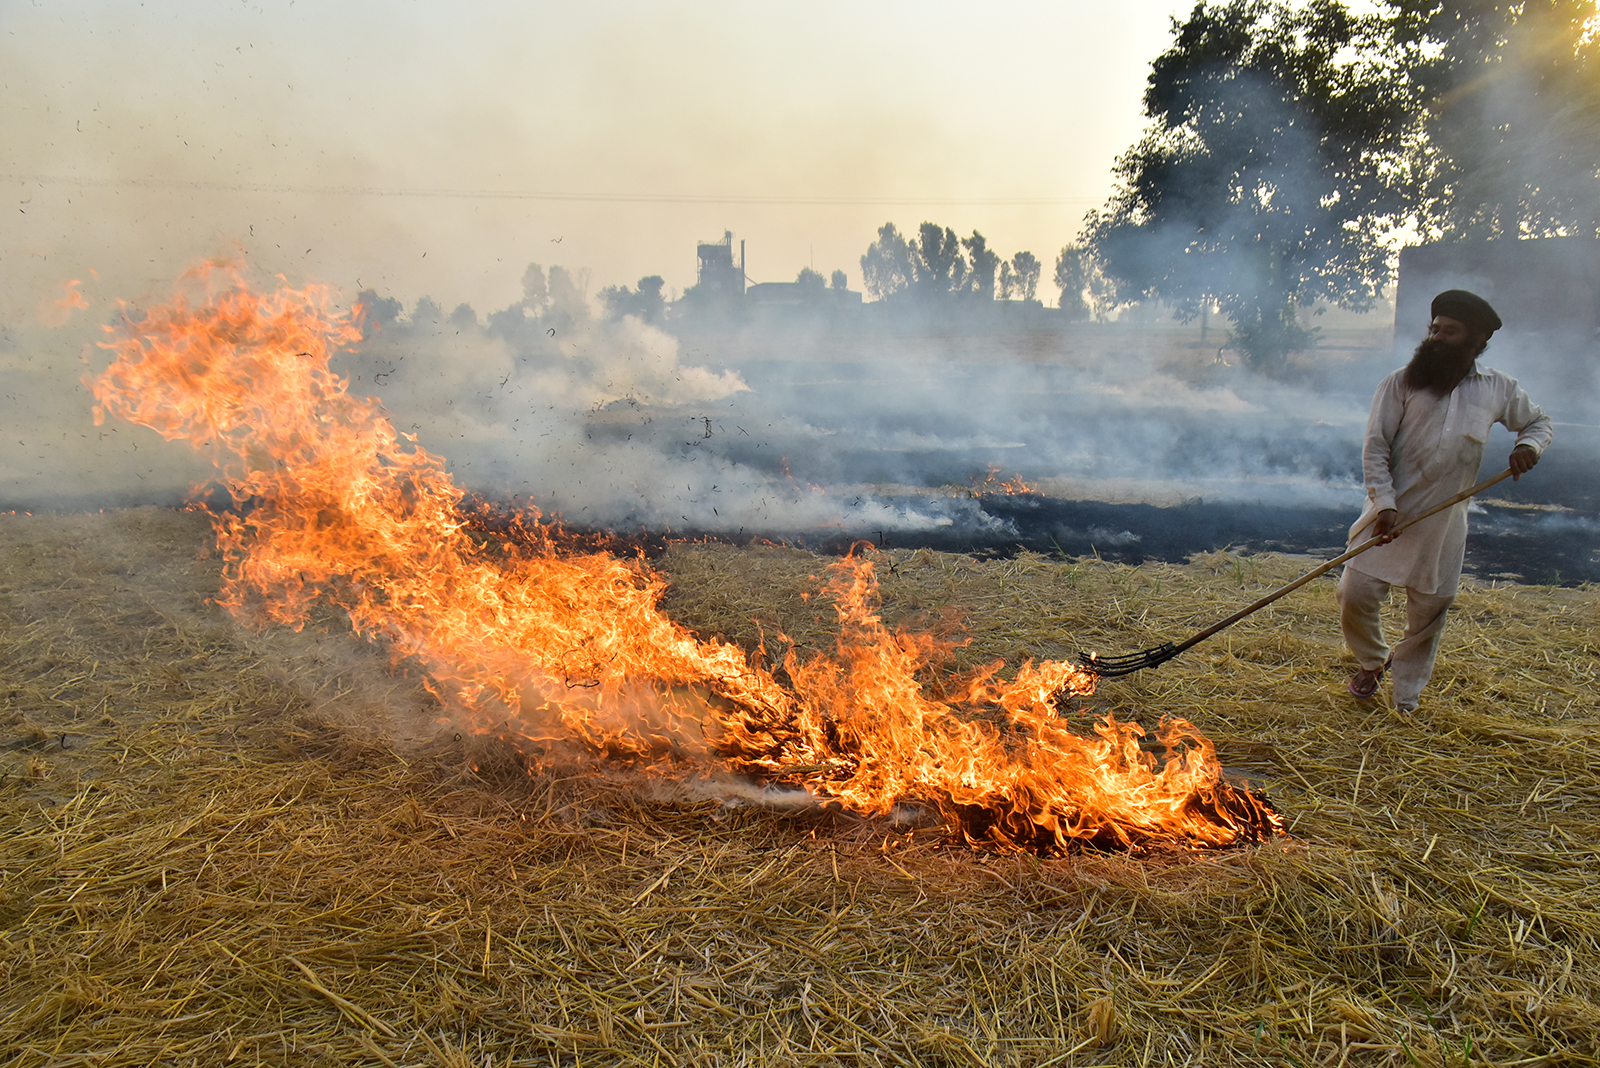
1266	180
1509	142
937	266
376	312
535	292
1074	268
937	262
887	267
1025	268
983	263
1287	141
645	303
427	311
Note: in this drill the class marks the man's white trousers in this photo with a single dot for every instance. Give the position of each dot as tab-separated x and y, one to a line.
1410	662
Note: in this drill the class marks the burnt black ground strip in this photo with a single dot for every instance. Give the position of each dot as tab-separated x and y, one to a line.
1509	541
1543	529
1506	542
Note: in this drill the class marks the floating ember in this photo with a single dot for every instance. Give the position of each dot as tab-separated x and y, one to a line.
526	637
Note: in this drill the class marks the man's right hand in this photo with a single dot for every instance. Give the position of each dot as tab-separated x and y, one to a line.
1383	526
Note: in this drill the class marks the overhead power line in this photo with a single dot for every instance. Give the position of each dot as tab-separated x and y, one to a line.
531	194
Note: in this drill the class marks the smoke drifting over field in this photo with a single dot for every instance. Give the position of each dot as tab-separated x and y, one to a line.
801	430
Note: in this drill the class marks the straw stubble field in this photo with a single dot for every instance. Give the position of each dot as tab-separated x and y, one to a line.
219	847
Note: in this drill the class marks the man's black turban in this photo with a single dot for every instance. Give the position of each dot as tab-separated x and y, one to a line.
1467	308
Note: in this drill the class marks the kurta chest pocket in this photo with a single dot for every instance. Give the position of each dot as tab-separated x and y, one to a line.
1471	432
1473	420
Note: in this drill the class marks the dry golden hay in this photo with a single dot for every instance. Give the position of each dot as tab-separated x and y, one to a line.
225	848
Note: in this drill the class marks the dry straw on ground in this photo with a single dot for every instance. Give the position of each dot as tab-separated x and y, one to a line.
224	848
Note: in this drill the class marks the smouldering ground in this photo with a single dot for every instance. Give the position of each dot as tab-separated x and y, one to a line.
224	848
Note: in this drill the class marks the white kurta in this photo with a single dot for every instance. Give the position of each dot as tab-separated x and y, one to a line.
1422	449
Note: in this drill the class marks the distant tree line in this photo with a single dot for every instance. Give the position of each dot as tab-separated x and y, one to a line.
813	282
646	303
553	302
936	265
1288	143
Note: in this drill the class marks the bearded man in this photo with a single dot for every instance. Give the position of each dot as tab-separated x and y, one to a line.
1425	440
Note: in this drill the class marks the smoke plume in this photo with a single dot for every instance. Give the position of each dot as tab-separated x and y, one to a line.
822	430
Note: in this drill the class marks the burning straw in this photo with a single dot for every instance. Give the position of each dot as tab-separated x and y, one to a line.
209	855
522	640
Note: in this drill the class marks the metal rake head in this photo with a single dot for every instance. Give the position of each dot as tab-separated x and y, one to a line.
1111	667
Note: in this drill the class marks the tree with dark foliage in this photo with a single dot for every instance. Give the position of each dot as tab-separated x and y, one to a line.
811	282
376	312
535	291
646	303
1025	268
887	267
1266	180
1074	268
932	267
937	261
427	312
1510	135
929	267
984	263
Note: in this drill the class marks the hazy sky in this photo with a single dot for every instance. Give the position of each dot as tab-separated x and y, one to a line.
432	148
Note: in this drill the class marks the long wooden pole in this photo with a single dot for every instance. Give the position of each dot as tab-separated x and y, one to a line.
1335	562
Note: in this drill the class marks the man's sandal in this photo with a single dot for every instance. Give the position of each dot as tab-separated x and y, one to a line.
1364	683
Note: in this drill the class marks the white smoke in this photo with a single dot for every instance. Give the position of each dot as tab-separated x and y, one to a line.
605	424
780	431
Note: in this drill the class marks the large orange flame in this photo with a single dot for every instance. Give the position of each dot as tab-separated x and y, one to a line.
520	638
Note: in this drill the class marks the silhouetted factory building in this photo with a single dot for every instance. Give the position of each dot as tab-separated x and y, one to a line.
720	282
718	276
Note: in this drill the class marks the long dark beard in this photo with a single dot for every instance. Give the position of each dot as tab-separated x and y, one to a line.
1439	367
